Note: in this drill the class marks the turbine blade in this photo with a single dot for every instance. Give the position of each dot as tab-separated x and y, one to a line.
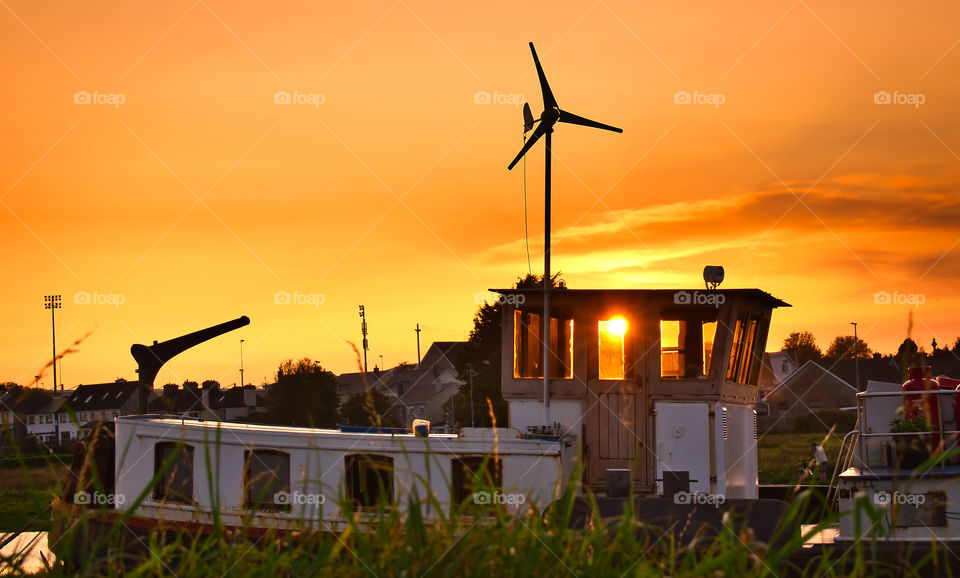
570	118
527	118
526	146
548	100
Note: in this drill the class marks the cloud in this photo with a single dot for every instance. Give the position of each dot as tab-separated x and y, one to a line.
890	221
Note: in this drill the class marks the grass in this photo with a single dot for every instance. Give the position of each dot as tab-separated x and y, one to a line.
457	544
27	491
781	456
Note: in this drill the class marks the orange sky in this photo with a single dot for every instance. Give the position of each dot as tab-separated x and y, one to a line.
197	198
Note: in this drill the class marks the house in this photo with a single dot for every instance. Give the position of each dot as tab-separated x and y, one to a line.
422	391
357	382
35	412
775	367
99	402
208	401
809	390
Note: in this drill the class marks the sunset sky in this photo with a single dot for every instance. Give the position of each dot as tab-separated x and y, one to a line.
151	160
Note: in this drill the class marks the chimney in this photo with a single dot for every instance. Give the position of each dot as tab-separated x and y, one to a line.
209	388
250	396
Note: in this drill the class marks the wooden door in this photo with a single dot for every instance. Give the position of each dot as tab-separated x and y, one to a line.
615	429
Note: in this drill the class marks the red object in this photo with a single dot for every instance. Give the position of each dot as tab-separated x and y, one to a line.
925	406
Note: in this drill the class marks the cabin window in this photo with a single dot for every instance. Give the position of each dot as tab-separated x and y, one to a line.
369	479
528	346
744	364
686	343
267	480
611	348
31	420
475	478
176	482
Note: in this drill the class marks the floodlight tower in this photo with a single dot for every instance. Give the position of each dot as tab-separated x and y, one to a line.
52	302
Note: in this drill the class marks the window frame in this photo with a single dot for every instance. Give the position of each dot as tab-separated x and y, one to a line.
161	492
528	357
265	503
355	467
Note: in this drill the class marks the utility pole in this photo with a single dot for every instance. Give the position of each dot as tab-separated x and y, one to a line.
52	302
363	329
856	356
418	343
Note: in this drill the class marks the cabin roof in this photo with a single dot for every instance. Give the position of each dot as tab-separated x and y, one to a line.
637	294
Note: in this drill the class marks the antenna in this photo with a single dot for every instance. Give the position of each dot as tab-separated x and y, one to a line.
363	330
551	115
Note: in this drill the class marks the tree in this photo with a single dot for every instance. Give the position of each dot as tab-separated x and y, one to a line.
481	357
805	344
370	408
909	354
305	394
842	348
956	347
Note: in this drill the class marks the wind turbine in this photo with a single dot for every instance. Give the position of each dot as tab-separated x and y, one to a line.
551	115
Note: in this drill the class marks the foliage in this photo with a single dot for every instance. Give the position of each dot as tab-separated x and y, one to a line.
305	394
842	348
918	424
805	344
482	355
370	408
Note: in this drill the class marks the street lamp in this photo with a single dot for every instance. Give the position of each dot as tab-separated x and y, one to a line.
52	302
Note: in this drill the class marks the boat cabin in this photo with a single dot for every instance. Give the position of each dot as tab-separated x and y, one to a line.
649	380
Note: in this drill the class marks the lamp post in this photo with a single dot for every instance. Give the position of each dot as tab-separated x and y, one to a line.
856	356
241	362
52	302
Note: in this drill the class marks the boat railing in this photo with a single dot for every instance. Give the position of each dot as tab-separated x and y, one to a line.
938	440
